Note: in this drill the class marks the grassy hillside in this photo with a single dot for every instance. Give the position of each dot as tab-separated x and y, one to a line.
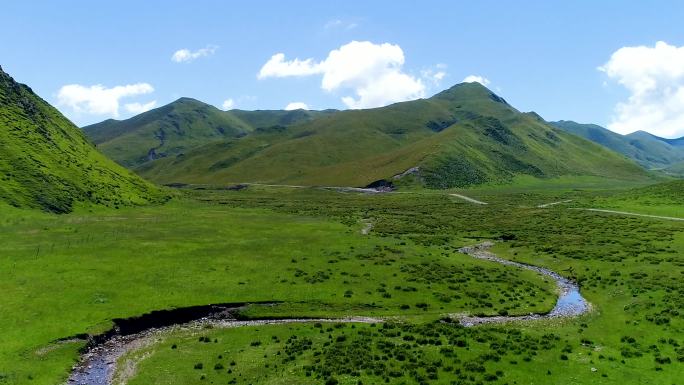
46	161
648	150
462	136
166	131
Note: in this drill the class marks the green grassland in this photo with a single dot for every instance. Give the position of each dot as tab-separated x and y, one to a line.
630	270
665	199
65	275
69	274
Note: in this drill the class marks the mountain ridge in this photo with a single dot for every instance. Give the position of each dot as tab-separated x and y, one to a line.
461	136
651	151
167	130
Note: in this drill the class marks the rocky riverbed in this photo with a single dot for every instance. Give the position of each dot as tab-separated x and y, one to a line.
98	363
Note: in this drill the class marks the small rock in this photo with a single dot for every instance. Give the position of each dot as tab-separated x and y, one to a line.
593	369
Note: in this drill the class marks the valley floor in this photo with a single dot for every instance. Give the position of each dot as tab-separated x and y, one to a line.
314	253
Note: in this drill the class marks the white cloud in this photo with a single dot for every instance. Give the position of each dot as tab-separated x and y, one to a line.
387	88
185	55
477	79
228	104
434	75
99	100
654	77
279	68
337	23
372	71
139	108
296	106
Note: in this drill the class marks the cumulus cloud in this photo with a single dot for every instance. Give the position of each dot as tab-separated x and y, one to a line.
296	106
277	67
139	108
228	104
477	79
373	71
100	100
654	77
185	55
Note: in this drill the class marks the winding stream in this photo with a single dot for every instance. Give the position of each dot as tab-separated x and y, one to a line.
570	302
98	363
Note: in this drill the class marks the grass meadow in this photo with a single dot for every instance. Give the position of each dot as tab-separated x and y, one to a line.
63	275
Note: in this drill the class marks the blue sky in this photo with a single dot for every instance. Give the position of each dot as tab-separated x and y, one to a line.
541	56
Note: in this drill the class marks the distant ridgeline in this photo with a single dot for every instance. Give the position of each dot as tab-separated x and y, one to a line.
46	162
463	136
650	151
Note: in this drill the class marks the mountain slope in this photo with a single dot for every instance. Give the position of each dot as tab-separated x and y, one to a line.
648	150
462	136
164	131
46	161
270	118
675	169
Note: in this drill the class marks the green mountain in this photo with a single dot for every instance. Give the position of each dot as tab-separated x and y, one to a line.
166	131
182	125
46	161
462	136
648	150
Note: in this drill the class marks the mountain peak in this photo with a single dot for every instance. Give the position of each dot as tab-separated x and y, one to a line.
473	86
642	133
469	91
187	101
